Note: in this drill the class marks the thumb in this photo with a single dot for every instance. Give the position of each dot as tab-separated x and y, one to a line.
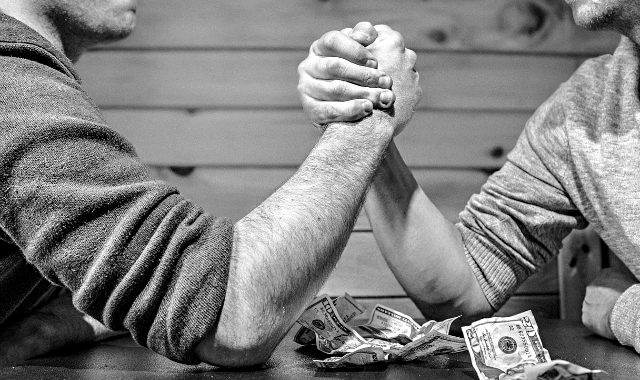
364	33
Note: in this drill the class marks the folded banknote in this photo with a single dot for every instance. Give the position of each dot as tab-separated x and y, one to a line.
510	348
389	335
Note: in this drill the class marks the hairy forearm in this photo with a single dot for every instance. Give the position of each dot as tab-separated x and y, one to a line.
286	247
423	249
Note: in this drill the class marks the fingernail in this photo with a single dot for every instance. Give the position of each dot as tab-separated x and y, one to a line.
384	82
372	63
386	98
367	106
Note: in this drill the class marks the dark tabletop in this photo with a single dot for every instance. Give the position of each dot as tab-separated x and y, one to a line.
120	358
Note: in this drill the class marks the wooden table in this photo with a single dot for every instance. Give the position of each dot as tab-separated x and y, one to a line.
122	359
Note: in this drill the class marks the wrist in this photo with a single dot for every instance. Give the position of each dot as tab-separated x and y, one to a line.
378	124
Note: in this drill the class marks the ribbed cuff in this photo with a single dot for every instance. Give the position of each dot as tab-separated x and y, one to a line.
496	278
625	318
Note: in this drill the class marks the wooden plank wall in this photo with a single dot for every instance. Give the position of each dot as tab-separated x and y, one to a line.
206	90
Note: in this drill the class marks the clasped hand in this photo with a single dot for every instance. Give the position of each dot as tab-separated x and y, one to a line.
350	72
601	297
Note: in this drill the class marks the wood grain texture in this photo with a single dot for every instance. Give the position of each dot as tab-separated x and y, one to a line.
234	192
521	25
285	138
265	79
362	272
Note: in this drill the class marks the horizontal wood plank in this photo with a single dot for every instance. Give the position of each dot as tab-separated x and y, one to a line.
285	138
269	78
362	272
532	25
234	192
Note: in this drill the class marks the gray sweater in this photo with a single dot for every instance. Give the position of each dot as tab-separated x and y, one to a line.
577	162
79	209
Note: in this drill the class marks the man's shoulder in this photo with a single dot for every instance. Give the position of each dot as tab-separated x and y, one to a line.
35	76
30	84
606	75
18	42
591	74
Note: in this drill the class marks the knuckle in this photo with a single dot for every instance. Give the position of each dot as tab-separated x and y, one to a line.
340	91
315	47
586	320
330	39
302	67
370	79
308	106
335	67
395	38
331	113
323	114
316	114
301	89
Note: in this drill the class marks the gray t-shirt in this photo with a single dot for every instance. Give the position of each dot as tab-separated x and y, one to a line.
577	162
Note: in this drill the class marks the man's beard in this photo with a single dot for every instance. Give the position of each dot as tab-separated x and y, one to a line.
592	18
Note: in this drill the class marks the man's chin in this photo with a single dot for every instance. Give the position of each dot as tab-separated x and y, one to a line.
122	30
591	17
113	35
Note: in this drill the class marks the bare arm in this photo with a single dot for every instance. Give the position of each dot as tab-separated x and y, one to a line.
508	231
423	249
285	248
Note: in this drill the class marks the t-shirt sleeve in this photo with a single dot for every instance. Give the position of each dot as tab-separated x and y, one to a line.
625	318
90	217
517	222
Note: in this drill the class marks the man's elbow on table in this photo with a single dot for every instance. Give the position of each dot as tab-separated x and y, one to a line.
238	356
239	346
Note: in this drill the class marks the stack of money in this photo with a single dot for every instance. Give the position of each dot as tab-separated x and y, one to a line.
387	336
509	348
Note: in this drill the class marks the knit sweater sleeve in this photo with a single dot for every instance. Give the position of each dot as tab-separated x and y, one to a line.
517	222
625	318
90	217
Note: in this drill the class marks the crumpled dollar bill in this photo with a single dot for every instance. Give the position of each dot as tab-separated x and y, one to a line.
387	336
510	348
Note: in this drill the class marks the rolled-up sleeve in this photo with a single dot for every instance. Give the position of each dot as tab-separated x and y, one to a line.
517	222
90	216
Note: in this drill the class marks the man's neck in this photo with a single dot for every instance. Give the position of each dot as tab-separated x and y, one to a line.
634	35
628	24
27	13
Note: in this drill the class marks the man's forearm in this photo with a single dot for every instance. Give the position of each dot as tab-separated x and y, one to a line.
423	249
286	247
